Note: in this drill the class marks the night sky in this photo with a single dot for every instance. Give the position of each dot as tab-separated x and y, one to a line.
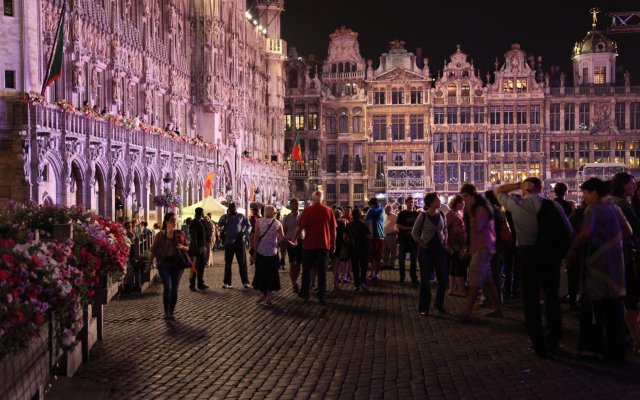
546	28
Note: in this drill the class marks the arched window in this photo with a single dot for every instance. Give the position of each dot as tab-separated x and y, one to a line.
333	68
347	67
292	79
343	121
330	121
452	90
340	67
354	67
357	120
465	90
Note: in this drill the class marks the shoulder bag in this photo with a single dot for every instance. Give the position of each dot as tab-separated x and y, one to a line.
252	251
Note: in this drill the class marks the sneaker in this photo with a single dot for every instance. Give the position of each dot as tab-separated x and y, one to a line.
424	313
225	286
203	287
247	286
193	288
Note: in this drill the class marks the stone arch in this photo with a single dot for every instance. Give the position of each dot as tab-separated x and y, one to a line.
98	196
77	186
50	179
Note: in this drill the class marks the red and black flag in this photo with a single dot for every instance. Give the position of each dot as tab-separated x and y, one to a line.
54	67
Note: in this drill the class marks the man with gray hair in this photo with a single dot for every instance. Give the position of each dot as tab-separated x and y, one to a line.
319	225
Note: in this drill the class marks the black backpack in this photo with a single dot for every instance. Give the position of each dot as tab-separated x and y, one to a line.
554	238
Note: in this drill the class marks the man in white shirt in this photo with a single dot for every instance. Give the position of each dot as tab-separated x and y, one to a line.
390	248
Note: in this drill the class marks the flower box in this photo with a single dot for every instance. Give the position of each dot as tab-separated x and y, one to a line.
25	372
105	292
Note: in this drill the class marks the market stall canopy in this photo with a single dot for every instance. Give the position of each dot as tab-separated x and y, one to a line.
209	205
284	211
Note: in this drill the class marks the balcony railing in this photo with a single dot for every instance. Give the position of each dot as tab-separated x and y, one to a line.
378	183
298	173
593	90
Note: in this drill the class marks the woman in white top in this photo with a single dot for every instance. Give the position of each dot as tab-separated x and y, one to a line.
265	240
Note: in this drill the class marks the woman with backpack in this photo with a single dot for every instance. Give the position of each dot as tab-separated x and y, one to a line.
171	250
357	235
430	233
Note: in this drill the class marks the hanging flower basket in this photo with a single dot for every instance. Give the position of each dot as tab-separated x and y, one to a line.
33	98
66	106
168	199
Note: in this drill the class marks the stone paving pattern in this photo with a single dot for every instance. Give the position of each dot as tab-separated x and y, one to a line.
359	346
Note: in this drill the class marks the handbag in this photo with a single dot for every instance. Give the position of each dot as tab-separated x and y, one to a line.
181	259
252	251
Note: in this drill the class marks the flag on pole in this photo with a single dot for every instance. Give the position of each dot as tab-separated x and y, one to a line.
54	67
296	153
208	183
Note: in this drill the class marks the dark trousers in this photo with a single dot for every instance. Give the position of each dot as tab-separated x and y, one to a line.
412	248
609	320
314	259
433	257
540	274
573	280
170	280
511	272
359	262
238	249
201	263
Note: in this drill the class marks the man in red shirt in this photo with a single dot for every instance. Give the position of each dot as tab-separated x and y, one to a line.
319	225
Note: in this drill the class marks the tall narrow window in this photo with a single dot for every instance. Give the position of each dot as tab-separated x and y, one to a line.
620	114
466	172
465	92
494	143
634	114
478	142
452	115
507	142
453	173
452	143
569	161
397	96
494	115
331	158
478	115
344	157
465	142
619	152
331	121
554	117
416	126
479	174
569	117
601	152
287	119
521	115
397	127
584	153
438	173
343	120
300	117
600	75
521	142
438	143
465	115
357	157
534	114
381	165
313	118
438	116
583	116
8	8
534	143
379	127
507	115
554	155
9	79
416	96
357	120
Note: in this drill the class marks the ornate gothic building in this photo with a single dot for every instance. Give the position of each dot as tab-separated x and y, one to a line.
409	131
154	95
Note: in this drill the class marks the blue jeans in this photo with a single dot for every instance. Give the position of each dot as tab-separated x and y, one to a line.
433	257
170	280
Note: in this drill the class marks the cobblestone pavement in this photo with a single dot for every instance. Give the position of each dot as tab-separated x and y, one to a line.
377	345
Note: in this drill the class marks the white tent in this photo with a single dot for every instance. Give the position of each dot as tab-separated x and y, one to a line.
209	205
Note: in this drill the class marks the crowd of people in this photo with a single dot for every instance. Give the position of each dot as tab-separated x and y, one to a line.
505	243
